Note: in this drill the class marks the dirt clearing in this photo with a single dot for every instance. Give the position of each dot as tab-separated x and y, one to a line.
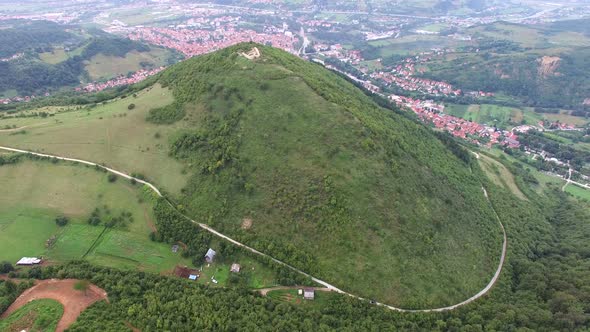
63	291
246	223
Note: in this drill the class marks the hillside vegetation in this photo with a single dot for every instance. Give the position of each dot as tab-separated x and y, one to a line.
51	56
542	65
330	182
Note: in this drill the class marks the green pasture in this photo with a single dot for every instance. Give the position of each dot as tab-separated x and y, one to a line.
103	66
35	316
41	190
253	274
54	56
501	116
578	191
123	249
500	175
109	134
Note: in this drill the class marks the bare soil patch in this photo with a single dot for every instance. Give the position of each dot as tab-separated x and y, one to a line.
548	66
246	223
63	291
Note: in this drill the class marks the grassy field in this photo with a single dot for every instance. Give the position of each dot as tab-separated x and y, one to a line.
565	117
55	56
35	316
107	66
252	274
545	181
41	191
526	36
411	44
22	233
127	250
435	27
500	175
507	117
109	134
578	191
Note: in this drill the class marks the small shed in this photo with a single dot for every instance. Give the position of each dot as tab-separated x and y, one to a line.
235	268
309	293
193	277
175	248
210	255
29	261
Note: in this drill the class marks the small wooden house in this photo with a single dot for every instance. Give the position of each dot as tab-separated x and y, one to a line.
210	255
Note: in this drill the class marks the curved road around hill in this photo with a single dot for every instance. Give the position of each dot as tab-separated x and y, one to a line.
316	280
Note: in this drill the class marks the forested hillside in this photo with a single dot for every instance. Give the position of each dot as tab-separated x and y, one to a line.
44	56
333	184
20	36
535	65
522	76
544	287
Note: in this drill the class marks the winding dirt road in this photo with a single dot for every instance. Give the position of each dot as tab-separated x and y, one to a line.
318	281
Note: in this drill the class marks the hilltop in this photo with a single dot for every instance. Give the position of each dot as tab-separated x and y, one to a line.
293	160
297	162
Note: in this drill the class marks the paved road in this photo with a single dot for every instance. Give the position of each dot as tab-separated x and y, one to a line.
318	281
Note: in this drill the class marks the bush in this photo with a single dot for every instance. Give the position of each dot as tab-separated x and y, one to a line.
131	106
61	221
6	267
112	177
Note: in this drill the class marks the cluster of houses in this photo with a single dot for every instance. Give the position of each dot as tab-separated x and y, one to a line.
336	51
403	76
136	77
193	274
25	99
474	132
13	57
192	42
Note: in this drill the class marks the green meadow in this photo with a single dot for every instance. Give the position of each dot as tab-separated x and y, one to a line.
103	66
38	315
578	192
40	191
109	134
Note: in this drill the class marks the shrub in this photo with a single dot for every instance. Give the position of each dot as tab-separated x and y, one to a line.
61	221
6	267
112	177
131	106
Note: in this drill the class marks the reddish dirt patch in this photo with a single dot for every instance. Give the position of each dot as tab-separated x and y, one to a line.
131	327
184	272
63	291
246	223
